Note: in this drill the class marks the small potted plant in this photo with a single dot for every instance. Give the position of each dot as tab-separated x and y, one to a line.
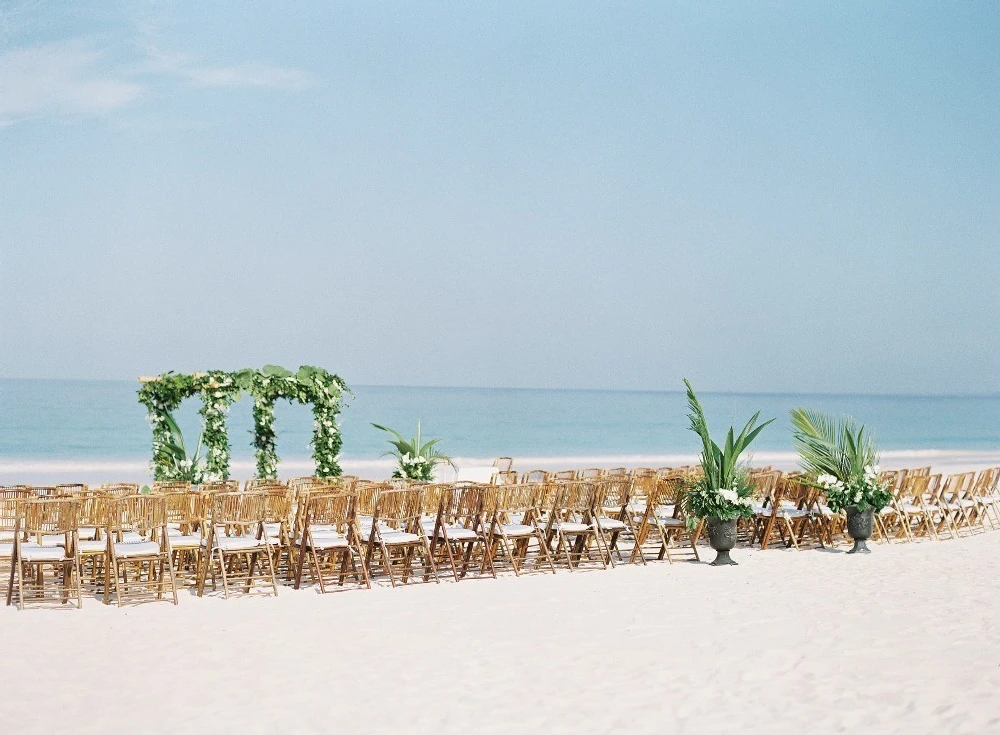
415	459
841	459
722	494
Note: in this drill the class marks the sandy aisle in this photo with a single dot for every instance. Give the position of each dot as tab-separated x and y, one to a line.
903	640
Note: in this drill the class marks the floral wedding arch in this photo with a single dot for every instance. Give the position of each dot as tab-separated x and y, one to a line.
163	394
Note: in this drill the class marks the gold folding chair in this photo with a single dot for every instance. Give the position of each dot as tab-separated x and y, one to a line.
329	531
237	543
459	523
396	534
138	549
36	519
574	518
662	522
512	521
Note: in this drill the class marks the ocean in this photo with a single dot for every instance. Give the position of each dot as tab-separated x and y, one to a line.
63	428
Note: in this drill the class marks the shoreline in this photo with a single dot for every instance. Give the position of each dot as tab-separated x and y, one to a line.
42	471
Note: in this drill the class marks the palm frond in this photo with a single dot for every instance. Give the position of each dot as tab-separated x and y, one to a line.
829	445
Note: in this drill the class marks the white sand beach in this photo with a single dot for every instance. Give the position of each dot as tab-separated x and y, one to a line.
905	640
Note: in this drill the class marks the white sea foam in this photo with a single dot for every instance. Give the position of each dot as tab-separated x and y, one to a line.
52	470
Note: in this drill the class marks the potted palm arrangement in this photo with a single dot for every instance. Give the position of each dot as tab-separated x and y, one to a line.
415	459
722	494
842	459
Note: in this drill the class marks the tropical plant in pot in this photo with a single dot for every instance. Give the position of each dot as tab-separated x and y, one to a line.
722	494
842	459
415	459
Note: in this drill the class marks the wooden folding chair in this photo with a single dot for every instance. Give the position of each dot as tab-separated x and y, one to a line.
512	523
614	514
783	510
329	531
36	519
183	509
138	550
574	517
459	528
662	521
396	534
237	542
9	497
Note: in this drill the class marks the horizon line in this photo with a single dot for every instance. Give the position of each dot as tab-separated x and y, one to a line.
832	394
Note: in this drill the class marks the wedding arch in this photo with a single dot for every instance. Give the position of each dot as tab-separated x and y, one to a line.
218	390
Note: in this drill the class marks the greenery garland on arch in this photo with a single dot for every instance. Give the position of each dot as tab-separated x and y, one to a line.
219	390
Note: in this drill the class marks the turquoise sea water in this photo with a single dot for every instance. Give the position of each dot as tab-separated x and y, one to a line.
101	421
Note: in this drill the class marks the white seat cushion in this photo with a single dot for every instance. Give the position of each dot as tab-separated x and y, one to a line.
54	540
399	537
6	535
458	533
34	552
670	521
569	527
184	541
237	543
6	551
88	532
611	524
327	541
90	546
517	529
124	550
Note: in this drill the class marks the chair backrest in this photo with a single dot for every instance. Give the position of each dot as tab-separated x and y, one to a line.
278	505
464	505
919	471
45	491
47	516
242	510
504	464
70	489
590	473
182	507
518	500
10	496
400	507
610	472
507	477
563	475
368	493
93	509
263	483
764	483
171	486
118	488
219	486
615	493
535	476
575	499
330	509
143	514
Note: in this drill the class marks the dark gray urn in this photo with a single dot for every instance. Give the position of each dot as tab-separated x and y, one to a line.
859	526
722	537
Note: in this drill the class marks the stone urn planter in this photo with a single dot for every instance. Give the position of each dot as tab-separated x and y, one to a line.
722	537
859	526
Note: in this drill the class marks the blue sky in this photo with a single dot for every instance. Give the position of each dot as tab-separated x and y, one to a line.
761	197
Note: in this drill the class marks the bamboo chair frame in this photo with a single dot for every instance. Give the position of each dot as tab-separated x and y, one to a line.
614	514
37	518
236	535
662	519
458	522
574	516
329	529
148	560
512	521
397	534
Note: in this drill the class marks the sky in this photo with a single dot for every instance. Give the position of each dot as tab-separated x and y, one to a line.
776	197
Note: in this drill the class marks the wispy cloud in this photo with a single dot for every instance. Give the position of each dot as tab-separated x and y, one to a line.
61	78
198	73
77	77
